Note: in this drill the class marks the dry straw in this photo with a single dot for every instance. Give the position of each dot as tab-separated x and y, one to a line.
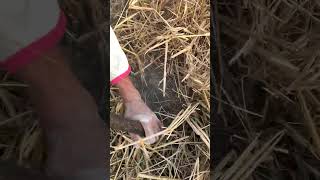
272	71
173	35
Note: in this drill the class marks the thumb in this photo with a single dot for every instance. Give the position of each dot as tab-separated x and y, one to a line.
147	126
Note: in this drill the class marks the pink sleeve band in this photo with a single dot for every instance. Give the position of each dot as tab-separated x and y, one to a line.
121	76
36	48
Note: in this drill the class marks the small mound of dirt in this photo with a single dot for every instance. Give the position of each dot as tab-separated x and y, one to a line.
151	91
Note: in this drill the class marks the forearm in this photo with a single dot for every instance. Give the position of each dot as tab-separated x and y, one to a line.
127	90
56	92
68	115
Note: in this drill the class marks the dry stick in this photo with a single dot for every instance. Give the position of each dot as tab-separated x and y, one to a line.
256	159
299	139
259	156
197	129
310	123
237	107
245	123
223	164
302	9
245	104
228	174
16	117
165	70
313	97
268	56
123	21
13	84
314	170
244	50
122	159
259	37
194	174
270	10
154	177
4	98
122	12
116	148
304	72
28	142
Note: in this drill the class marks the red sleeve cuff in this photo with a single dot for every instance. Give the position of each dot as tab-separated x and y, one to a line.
121	76
36	48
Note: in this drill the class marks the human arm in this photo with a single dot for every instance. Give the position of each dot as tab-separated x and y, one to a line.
73	131
68	115
135	107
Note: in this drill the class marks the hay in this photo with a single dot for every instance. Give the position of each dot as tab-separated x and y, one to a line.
20	136
271	68
174	36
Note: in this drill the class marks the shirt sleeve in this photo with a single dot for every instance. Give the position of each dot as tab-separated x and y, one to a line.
27	29
119	66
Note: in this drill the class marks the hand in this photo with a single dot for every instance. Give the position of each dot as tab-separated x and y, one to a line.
139	111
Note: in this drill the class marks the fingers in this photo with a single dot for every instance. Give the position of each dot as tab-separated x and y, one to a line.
139	111
135	137
160	124
151	128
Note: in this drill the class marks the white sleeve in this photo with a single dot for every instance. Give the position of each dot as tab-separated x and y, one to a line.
119	66
23	22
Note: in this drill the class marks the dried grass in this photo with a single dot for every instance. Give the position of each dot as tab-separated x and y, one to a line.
272	70
173	35
20	136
